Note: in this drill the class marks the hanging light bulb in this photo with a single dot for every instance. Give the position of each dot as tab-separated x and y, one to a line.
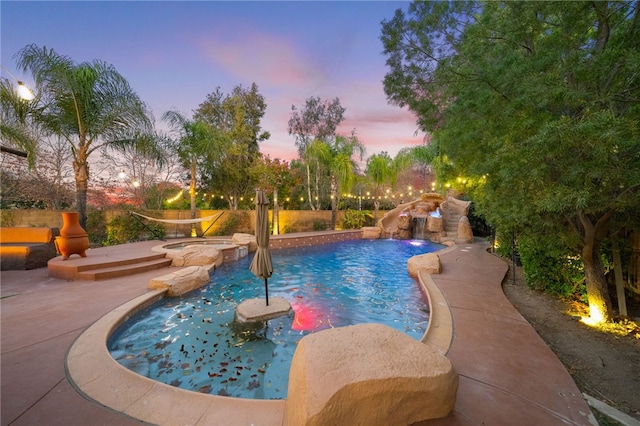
24	92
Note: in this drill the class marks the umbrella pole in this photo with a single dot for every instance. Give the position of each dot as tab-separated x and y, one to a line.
266	290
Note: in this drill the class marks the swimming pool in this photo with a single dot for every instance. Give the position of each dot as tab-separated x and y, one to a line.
193	342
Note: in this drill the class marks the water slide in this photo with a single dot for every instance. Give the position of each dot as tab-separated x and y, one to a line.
389	222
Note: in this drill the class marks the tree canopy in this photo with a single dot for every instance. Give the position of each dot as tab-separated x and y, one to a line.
89	105
237	117
538	103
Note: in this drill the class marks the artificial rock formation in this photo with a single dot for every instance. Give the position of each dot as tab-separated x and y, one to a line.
196	255
464	230
428	262
405	226
367	374
249	239
181	281
371	233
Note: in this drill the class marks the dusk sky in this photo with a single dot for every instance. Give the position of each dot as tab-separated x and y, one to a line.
175	53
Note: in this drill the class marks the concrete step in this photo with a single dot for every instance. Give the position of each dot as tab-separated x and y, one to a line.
119	262
122	270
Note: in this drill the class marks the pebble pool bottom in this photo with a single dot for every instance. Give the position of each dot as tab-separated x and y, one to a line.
192	341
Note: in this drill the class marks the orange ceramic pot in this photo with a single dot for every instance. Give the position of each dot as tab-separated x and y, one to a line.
71	225
73	238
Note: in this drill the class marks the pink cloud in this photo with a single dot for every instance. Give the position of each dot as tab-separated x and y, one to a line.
259	57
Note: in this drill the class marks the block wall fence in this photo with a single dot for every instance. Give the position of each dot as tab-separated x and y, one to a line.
237	220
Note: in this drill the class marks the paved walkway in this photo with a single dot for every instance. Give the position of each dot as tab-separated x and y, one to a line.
508	375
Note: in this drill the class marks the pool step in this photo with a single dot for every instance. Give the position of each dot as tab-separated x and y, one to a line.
99	265
123	270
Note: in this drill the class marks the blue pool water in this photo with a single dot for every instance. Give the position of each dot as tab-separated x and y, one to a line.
193	342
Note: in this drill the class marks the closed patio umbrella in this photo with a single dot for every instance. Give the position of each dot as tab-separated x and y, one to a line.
261	265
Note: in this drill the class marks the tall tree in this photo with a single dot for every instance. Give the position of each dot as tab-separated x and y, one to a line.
238	117
197	144
274	176
379	171
538	101
342	168
317	120
90	105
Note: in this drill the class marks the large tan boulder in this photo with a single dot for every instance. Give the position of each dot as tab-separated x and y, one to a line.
435	224
464	230
405	222
367	374
428	262
196	255
371	233
249	239
181	281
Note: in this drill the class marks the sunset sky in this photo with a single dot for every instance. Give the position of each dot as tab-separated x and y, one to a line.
175	53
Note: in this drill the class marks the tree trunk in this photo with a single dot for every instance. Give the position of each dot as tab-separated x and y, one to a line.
597	292
617	269
192	196
334	201
317	186
81	169
276	212
192	189
309	186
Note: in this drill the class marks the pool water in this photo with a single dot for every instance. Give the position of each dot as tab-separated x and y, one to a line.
194	343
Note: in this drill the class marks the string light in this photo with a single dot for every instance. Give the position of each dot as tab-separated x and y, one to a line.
176	198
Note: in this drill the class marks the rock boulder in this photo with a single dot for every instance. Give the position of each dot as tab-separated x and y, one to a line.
249	239
428	262
371	233
196	255
181	281
367	374
464	230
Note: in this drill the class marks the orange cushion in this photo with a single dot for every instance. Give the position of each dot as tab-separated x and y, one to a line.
25	235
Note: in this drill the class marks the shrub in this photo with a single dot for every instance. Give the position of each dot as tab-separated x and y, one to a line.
230	225
290	227
125	229
96	227
320	225
6	218
355	219
549	265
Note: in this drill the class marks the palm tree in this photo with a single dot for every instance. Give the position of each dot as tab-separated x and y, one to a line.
15	122
339	161
90	105
380	169
318	154
196	141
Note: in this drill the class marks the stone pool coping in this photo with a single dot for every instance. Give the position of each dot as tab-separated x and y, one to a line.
94	373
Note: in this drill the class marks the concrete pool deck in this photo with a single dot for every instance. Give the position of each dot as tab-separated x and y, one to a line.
507	373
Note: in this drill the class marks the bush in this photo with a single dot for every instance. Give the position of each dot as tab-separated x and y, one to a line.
290	227
6	218
356	219
125	229
320	225
229	226
549	265
96	227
